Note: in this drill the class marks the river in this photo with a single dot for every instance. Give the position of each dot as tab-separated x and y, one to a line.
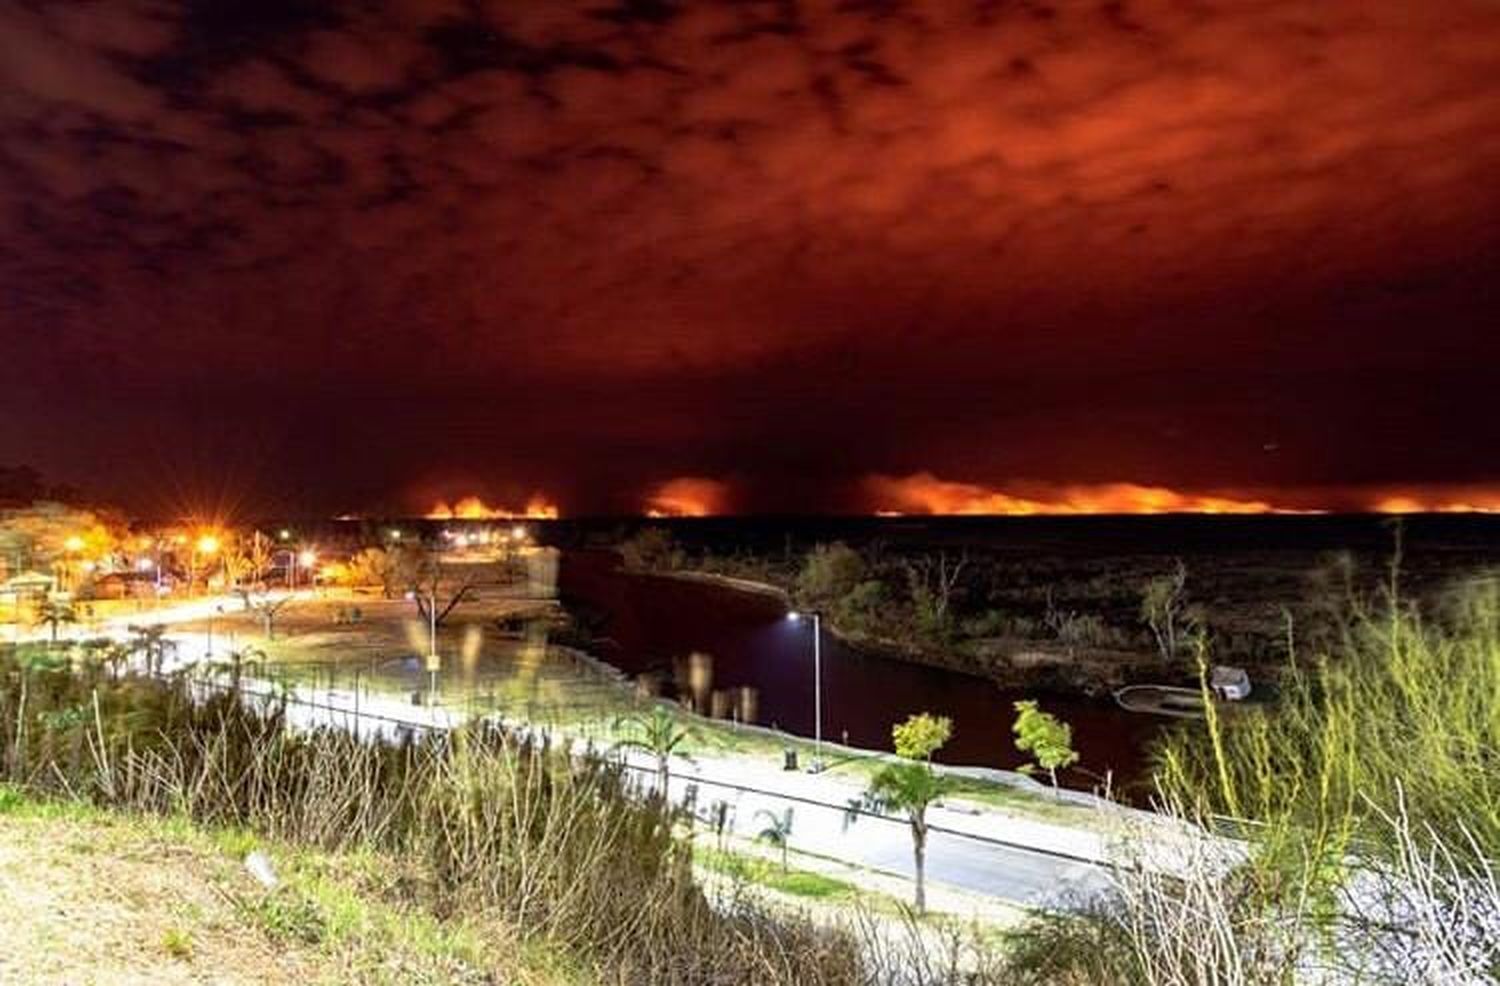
648	621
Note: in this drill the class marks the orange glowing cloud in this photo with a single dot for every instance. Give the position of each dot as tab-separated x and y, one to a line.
688	496
474	508
924	493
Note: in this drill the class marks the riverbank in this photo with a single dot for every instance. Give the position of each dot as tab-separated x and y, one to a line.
1007	662
645	623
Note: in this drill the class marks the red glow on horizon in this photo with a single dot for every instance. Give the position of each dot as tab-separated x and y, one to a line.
925	493
1464	500
474	508
688	496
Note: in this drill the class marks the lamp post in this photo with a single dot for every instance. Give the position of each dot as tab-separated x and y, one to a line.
433	662
817	623
216	609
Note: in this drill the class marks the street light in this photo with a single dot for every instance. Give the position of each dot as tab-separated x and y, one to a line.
434	662
817	622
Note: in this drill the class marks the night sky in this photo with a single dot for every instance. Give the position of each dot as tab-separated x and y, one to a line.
752	255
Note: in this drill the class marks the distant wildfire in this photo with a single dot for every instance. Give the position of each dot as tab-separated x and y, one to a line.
474	508
1443	500
688	496
925	493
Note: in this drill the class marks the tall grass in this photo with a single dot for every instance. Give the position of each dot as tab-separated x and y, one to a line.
563	847
1396	702
1365	822
1426	913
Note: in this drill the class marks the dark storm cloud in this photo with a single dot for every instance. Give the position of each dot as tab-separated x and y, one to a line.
1074	241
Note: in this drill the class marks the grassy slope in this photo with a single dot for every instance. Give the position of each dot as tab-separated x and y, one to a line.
92	896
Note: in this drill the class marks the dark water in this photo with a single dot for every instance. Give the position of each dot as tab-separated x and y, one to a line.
650	620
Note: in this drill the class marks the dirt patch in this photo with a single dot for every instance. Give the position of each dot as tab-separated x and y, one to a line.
95	901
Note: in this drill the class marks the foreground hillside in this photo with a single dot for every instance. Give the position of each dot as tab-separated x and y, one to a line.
90	896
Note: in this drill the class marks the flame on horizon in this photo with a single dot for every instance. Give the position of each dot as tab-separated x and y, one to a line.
474	508
924	493
688	496
1442	500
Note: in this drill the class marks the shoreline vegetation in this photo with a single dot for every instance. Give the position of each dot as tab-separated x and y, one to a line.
914	609
1077	625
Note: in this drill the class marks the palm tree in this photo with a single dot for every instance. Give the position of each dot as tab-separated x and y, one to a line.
910	786
778	831
236	661
657	734
54	612
150	641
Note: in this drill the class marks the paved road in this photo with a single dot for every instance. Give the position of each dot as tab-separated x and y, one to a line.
963	858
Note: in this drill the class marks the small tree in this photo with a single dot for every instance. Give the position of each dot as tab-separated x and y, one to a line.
651	549
933	584
830	572
658	734
266	606
910	786
234	557
1164	609
778	831
1047	738
921	735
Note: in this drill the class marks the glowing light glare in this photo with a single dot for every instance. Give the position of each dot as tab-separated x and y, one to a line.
144	564
307	559
74	543
518	533
474	508
688	496
924	493
207	544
